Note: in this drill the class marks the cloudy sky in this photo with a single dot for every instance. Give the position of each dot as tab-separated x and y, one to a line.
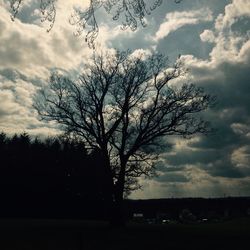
212	38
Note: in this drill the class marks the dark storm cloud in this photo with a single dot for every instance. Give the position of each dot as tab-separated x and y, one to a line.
230	118
216	162
225	153
163	166
223	167
224	135
232	89
189	156
233	105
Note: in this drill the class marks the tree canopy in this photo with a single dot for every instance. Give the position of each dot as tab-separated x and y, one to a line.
121	105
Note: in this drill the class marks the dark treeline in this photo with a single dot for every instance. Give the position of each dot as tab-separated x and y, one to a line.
54	177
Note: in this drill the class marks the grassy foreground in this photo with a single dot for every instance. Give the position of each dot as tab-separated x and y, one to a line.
71	235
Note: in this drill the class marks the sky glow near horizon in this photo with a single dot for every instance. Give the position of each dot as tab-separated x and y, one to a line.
213	39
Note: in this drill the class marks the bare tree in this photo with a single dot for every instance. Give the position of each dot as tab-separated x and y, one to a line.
121	105
131	11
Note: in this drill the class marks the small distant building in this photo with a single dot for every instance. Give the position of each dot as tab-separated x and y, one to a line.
162	217
138	217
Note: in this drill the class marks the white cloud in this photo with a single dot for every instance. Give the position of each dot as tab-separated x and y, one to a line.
143	53
107	35
238	8
229	46
27	49
176	20
241	158
240	129
8	105
31	50
207	36
28	53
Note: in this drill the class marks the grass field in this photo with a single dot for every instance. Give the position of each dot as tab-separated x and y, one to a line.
71	235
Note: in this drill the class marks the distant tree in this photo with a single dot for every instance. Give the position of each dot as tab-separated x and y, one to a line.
3	148
18	148
3	138
3	145
122	105
132	12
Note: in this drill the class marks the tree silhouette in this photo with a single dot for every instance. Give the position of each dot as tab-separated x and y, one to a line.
122	105
131	11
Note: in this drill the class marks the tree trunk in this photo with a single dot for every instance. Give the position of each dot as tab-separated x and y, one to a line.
109	192
119	219
114	195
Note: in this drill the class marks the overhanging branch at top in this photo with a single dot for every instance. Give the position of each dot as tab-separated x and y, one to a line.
132	13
